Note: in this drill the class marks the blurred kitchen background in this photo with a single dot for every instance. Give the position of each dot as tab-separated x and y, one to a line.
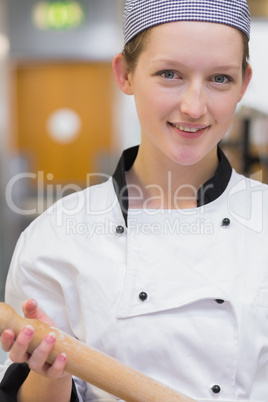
63	120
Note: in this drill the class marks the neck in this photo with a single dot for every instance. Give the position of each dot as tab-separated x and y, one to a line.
166	184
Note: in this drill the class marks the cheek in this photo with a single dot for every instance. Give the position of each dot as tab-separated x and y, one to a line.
150	106
224	108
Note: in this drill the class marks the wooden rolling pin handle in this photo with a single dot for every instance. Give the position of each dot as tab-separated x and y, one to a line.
91	365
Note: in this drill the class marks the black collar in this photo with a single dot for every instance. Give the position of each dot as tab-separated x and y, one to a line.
207	193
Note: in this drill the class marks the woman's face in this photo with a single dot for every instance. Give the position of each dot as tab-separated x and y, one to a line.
187	83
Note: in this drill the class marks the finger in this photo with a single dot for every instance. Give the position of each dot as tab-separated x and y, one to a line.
7	339
58	367
29	308
32	310
18	352
37	361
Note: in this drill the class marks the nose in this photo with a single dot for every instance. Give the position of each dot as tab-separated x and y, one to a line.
193	100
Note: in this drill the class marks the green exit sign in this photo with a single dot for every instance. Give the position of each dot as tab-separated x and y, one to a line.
58	15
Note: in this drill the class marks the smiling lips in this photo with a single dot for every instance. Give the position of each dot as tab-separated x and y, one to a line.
188	129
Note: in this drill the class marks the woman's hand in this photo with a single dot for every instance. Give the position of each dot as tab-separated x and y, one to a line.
17	346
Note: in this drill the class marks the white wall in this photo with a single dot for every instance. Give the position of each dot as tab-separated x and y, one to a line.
257	93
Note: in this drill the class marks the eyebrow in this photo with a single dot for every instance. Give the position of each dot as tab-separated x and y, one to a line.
173	63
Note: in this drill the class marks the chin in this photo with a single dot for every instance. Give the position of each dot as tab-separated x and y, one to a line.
186	159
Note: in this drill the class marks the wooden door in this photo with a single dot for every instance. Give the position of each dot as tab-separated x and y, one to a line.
42	89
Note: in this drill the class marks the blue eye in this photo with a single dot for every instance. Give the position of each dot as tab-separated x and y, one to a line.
220	79
168	74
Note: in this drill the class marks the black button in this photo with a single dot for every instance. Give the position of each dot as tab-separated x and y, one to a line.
216	389
120	230
143	296
226	222
219	301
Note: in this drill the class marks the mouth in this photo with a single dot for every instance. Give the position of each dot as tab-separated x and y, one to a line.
187	129
189	132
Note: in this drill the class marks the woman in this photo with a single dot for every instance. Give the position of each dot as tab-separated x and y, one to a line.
166	279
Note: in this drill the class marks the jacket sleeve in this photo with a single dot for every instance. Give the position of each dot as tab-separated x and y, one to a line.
35	273
14	377
43	268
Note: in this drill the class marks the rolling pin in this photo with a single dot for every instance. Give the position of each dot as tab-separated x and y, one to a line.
91	365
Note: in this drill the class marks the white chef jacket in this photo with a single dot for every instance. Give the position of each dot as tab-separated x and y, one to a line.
180	295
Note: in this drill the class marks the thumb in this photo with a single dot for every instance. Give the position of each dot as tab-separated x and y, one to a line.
33	311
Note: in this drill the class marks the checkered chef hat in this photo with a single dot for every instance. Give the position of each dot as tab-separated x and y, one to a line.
143	14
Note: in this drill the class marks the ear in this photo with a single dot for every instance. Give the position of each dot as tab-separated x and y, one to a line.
122	74
246	81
